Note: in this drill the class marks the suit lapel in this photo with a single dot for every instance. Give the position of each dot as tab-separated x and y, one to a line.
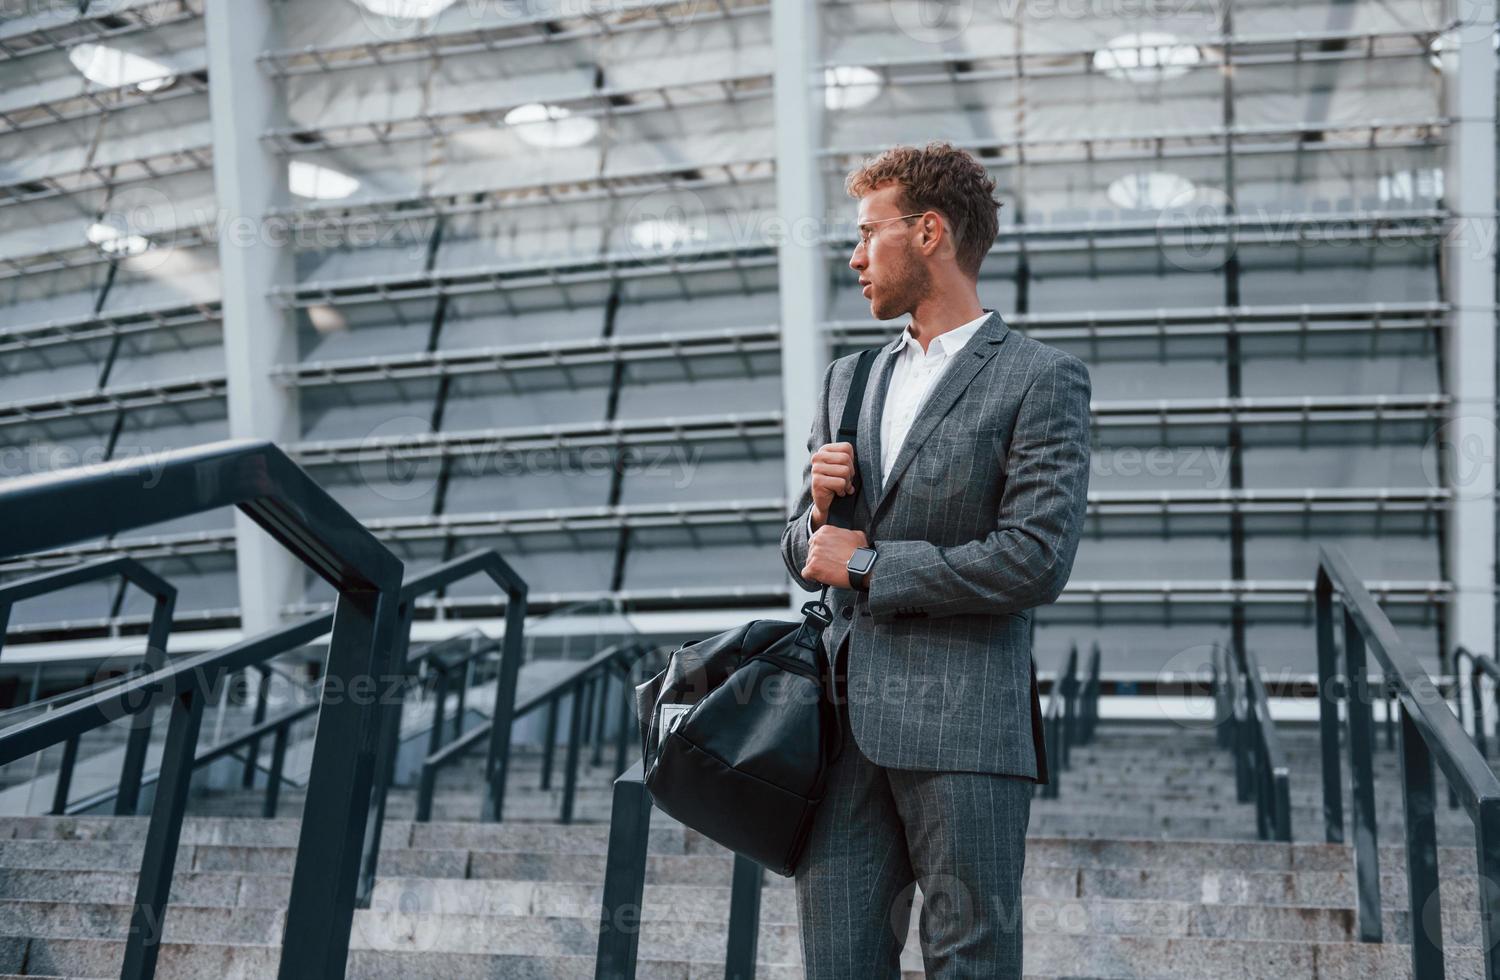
965	366
868	449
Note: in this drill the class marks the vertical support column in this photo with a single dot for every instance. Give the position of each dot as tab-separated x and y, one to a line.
744	919
802	271
1419	800
250	180
1329	694
1468	442
1362	783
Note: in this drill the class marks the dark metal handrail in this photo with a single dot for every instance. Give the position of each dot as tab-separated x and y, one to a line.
55	510
278	727
625	888
1479	667
615	661
1088	699
1058	722
164	601
1260	762
443	659
1429	731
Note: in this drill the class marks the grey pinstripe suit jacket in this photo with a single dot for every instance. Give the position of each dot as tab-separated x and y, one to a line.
976	526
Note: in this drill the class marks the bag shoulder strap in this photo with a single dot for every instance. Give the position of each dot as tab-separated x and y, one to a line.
816	614
841	514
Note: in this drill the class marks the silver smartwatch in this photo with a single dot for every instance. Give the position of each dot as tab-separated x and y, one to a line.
860	565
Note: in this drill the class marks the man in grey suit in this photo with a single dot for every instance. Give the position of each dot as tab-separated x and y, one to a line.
972	480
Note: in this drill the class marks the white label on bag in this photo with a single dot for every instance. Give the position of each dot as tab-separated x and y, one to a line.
667	719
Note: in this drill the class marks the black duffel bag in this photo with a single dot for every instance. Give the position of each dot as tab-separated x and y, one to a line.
739	730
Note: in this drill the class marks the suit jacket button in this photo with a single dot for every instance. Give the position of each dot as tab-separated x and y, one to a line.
848	612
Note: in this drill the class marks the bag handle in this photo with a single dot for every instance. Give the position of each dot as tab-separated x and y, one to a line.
841	513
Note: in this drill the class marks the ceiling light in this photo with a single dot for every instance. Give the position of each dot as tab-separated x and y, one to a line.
550	126
326	319
406	9
1150	191
850	86
113	68
1440	42
114	240
1146	57
663	235
319	183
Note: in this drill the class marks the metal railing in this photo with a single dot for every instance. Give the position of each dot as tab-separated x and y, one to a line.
1430	731
54	510
625	886
486	562
588	688
1244	726
443	662
278	728
1480	666
164	601
1070	718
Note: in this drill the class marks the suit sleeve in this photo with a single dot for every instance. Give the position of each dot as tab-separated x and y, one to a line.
1026	560
795	536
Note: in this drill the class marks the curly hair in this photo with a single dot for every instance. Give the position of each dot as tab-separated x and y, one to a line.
938	177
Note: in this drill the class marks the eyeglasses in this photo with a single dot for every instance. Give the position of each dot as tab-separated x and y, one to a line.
864	227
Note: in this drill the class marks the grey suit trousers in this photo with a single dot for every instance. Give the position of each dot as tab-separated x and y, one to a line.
881	832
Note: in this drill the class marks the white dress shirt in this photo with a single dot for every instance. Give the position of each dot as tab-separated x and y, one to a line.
912	378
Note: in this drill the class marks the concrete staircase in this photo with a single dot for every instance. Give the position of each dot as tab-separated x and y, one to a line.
1145	867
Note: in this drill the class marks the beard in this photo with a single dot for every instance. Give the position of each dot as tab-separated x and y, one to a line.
905	283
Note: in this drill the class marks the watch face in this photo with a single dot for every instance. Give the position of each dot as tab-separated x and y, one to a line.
861	560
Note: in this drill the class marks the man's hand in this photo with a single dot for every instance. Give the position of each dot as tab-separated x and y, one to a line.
828	553
832	476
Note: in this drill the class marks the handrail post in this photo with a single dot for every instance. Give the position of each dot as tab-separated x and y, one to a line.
143	943
1476	680
1420	802
389	713
1362	778
1329	696
622	731
744	919
1282	794
624	878
513	649
549	741
127	800
252	754
601	713
570	772
463	699
439	709
64	781
278	763
1222	715
425	787
1487	843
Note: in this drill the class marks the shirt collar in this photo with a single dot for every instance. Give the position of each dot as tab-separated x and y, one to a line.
947	343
